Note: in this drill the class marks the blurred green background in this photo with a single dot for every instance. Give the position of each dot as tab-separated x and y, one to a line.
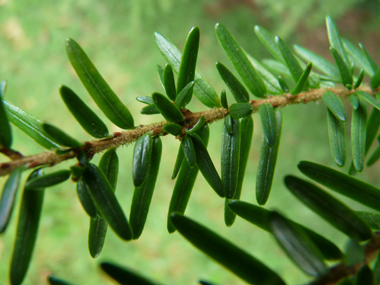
118	37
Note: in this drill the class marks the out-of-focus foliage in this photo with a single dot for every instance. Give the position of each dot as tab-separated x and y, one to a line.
294	13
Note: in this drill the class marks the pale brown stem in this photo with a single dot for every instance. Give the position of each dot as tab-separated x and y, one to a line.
130	136
341	270
12	154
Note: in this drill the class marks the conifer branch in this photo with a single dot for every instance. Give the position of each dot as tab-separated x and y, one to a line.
341	270
124	138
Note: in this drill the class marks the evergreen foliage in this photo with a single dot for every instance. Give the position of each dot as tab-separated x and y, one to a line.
267	82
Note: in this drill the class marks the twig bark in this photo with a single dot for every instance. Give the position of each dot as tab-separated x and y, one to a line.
130	136
341	270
